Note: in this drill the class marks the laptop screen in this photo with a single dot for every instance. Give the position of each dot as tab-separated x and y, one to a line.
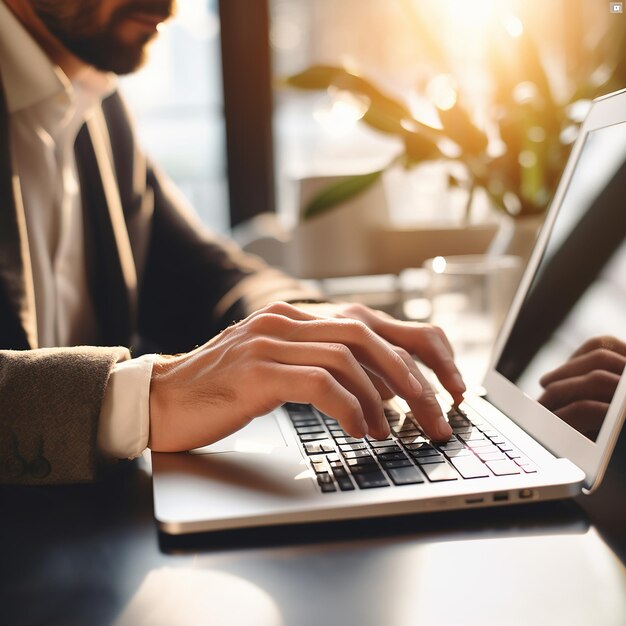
567	348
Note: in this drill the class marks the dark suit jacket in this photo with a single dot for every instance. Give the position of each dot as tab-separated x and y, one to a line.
159	282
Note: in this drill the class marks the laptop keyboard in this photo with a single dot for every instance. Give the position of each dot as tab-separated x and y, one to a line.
407	456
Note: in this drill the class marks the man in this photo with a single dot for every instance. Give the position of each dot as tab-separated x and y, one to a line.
97	249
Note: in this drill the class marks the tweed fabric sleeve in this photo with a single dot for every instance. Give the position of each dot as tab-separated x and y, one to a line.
50	401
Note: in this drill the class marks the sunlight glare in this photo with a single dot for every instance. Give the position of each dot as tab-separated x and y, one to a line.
442	91
514	26
344	112
474	14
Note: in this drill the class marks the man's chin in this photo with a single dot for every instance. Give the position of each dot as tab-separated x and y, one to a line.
117	56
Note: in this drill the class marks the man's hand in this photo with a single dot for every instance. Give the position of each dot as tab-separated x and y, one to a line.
580	390
343	360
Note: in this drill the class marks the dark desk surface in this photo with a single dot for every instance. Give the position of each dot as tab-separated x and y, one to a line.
92	555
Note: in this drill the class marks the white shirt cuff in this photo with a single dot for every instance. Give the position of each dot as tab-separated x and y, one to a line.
124	425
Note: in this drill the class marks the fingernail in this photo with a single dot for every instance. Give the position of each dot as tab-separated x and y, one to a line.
415	384
385	429
364	430
443	428
459	381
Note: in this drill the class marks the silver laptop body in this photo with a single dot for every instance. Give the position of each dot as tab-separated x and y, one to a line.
291	466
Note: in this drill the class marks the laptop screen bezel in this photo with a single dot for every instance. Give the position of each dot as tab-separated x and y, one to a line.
555	434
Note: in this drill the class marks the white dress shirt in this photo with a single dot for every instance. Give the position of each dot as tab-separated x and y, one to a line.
46	111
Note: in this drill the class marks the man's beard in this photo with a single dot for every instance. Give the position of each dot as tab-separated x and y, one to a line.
99	45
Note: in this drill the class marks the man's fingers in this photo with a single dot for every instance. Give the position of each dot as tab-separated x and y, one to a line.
430	345
605	342
597	385
316	386
339	361
597	359
285	309
373	352
428	413
586	416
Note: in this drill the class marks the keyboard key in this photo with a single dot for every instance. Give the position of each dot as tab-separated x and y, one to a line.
414	441
343	479
438	472
297	407
428	460
490	433
491	456
381	444
460	430
503	468
450	445
399	463
356	454
472	434
405	475
454	454
393	456
313	437
353	446
513	454
422	452
390	446
419	445
345	483
370	480
526	464
387	450
319	447
529	468
325	481
362	462
305	420
470	467
505	447
304	430
333	458
344	440
479	443
320	468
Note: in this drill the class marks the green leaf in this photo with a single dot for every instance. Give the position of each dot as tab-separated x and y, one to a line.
458	126
387	112
315	77
339	192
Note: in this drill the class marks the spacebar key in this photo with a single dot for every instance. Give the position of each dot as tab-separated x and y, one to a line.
470	467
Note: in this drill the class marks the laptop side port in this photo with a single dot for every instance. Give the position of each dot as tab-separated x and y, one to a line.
526	494
503	496
474	500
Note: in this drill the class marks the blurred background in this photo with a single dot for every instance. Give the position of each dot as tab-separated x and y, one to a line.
529	64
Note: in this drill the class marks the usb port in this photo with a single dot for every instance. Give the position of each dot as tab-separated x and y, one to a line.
474	500
501	497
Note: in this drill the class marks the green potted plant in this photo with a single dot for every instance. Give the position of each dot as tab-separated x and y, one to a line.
516	157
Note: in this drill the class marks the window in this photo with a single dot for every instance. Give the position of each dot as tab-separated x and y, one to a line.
177	101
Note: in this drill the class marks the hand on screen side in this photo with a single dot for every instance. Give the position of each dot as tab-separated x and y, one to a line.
343	359
580	390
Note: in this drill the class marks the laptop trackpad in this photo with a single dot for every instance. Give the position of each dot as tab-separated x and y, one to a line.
261	435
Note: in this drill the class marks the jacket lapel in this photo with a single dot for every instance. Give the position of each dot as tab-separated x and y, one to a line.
110	265
18	321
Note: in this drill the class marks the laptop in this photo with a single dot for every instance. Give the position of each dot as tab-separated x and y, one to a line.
296	465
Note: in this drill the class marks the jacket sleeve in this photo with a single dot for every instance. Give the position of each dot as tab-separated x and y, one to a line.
49	406
192	282
195	282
